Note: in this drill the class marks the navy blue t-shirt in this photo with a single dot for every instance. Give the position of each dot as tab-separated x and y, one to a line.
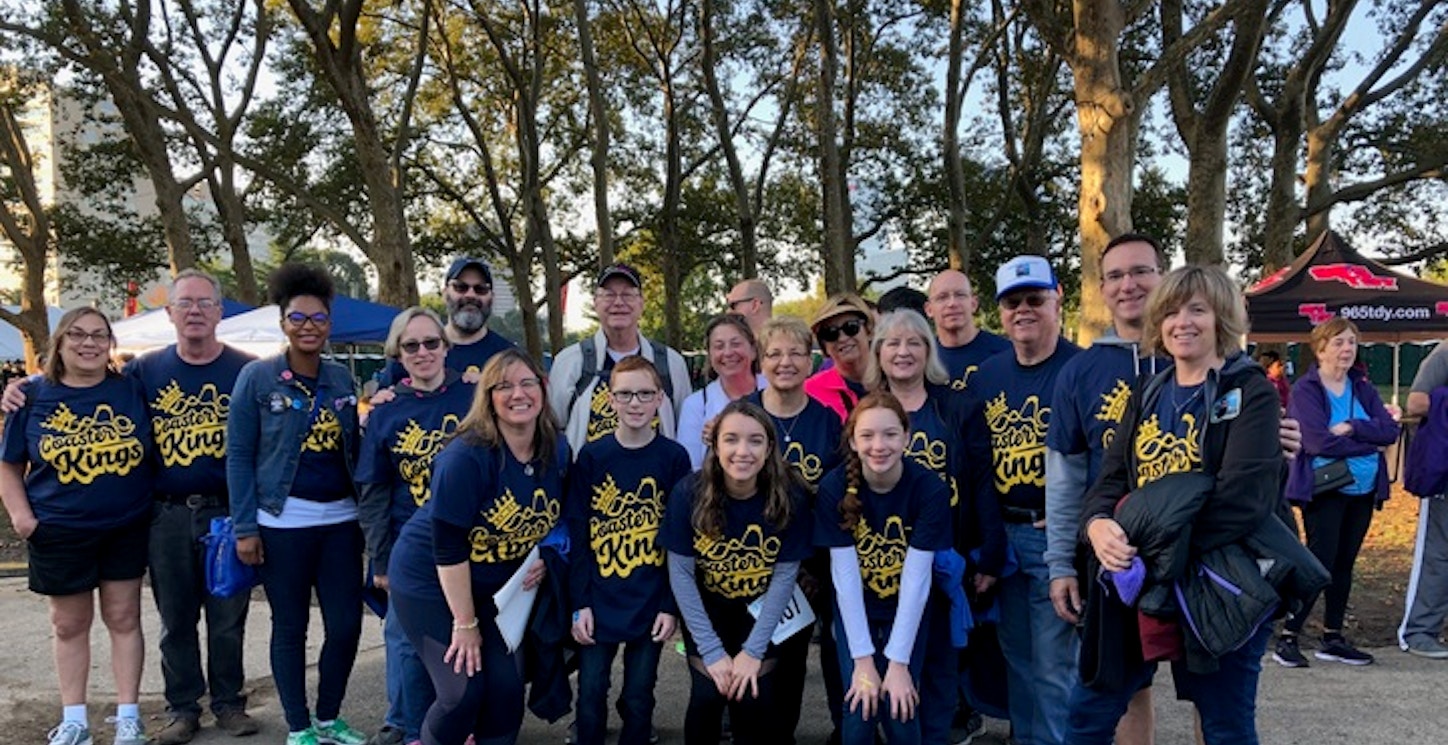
935	432
734	568
1010	407
189	405
88	452
1169	438
461	358
402	437
1092	390
616	500
960	362
322	470
508	507
914	514
809	440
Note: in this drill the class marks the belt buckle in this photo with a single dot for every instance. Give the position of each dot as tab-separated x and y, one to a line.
195	501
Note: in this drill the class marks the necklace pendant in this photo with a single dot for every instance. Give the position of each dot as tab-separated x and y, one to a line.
788	439
528	469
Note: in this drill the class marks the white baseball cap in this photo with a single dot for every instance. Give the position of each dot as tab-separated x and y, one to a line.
1027	272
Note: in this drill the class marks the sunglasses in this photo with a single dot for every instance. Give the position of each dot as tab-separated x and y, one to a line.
431	344
1035	300
462	288
299	319
831	334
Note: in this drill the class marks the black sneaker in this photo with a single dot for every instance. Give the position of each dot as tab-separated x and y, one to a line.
1337	649
1288	654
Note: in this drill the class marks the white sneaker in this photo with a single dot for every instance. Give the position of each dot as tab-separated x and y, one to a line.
70	733
129	731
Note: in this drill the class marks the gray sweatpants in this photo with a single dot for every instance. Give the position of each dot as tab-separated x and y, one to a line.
1426	606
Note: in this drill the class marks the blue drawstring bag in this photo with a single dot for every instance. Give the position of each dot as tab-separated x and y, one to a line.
226	576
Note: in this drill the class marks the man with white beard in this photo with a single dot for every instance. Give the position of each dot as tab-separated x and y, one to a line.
468	292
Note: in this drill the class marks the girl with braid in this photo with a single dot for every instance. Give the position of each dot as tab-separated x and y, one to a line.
882	516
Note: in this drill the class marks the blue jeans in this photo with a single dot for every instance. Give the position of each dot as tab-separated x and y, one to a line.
636	703
178	581
1041	650
409	690
1095	713
298	560
1227	699
855	729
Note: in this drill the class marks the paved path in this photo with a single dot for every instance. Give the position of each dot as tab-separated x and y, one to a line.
1399	700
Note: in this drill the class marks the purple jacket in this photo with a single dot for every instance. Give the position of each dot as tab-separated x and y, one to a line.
1310	407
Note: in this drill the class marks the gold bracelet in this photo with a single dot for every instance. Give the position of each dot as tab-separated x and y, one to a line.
469	626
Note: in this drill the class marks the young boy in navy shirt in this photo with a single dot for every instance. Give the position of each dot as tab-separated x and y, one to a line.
618	585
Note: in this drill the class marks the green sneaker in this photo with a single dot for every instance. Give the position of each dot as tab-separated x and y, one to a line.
337	732
307	736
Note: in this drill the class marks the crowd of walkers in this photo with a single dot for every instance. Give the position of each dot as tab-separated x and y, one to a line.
967	523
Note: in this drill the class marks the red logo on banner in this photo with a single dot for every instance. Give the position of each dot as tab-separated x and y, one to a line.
1316	312
1441	307
1355	276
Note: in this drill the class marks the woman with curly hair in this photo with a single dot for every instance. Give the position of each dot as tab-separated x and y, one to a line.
735	533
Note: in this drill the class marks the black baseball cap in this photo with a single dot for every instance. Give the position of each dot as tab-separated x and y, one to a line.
467	262
620	270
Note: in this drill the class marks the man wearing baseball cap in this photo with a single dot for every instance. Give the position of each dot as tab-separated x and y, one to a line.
578	383
468	292
1009	399
843	327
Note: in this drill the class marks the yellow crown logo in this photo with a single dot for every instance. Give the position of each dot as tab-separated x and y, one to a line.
504	510
996	407
62	420
1113	404
170	398
605	494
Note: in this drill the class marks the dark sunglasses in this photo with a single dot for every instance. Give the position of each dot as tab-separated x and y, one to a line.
831	334
1035	300
298	318
431	344
462	288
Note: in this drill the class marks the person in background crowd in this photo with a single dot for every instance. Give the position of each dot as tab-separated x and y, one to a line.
951	303
468	292
618	585
735	533
752	299
578	383
902	298
1086	409
1214	412
1343	418
843	327
734	366
882	517
808	436
76	481
188	386
1010	405
394	479
291	446
497	492
1277	374
1426	605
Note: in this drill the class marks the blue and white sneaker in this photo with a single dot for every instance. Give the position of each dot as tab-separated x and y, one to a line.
70	733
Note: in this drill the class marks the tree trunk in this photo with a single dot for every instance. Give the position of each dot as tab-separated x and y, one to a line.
669	216
27	227
598	112
954	169
748	250
1321	145
836	245
1282	211
1206	198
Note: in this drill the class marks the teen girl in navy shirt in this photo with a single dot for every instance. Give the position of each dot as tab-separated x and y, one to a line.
618	586
76	481
497	492
883	517
394	478
735	534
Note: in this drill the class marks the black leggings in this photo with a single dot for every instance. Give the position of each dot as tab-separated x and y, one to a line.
488	705
751	720
1336	524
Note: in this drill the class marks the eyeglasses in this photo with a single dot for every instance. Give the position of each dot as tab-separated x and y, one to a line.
1137	272
734	304
431	344
80	337
945	297
203	304
775	355
1034	299
527	384
643	397
610	297
299	319
831	334
462	288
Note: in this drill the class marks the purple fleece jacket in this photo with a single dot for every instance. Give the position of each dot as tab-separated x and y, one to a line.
1310	407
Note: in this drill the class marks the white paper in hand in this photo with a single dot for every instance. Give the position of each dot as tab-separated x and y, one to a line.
515	604
797	616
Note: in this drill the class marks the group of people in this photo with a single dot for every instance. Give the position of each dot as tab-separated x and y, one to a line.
939	504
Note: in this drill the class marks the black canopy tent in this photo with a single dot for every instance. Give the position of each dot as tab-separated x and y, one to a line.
1331	279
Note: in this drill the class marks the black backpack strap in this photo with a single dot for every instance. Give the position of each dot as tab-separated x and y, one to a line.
588	368
661	363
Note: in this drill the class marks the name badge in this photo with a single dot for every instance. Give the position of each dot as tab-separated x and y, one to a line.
276	402
1228	406
797	616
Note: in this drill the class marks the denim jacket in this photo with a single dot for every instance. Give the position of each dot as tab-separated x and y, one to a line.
264	442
